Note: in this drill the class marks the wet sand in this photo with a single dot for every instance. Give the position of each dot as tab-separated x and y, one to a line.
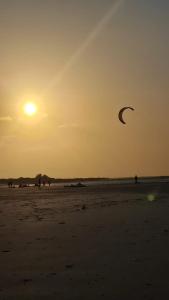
99	242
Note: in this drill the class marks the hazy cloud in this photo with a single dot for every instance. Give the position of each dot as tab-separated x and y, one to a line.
6	119
71	125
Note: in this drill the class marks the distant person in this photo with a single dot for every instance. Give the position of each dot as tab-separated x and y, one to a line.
39	182
10	184
49	183
136	179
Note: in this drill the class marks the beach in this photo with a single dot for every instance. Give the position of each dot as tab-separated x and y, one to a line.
94	242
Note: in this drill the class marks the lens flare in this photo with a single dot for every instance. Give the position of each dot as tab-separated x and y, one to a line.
30	109
151	197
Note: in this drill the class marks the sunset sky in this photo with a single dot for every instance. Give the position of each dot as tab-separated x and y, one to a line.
80	62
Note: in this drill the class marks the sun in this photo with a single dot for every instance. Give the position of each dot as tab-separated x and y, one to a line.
30	109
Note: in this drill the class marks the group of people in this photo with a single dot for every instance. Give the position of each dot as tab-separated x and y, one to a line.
10	184
23	185
40	183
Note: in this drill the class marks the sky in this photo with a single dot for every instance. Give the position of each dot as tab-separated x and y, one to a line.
81	62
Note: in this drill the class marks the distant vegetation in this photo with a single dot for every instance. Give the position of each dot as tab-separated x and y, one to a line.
45	178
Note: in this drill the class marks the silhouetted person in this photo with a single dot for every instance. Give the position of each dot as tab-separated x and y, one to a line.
49	183
39	182
10	184
136	179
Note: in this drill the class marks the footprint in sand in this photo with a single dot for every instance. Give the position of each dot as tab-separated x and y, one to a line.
69	266
137	260
27	280
148	284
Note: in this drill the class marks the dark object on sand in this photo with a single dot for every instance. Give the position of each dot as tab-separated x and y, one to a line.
27	280
79	184
21	185
69	266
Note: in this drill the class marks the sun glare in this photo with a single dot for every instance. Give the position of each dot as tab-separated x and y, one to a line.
30	109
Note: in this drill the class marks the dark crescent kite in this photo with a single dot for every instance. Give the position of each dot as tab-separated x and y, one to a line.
121	113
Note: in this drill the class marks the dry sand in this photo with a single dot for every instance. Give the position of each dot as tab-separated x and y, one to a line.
104	242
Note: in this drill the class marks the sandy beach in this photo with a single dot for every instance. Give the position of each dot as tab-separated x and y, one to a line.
98	242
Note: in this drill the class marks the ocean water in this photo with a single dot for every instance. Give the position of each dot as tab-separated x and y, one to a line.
119	181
